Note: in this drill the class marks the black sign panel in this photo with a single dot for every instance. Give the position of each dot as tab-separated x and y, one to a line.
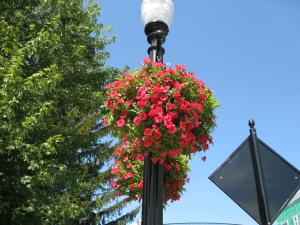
236	178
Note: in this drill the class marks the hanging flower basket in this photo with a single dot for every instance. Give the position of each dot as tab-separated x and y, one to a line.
128	172
162	110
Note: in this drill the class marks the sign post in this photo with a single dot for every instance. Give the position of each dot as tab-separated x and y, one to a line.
258	179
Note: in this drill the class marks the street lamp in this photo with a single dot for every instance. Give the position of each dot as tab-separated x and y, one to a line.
157	17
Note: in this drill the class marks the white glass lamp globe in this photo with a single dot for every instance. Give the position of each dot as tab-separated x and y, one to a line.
157	10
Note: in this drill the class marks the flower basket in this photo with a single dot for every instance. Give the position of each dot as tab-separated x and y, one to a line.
162	110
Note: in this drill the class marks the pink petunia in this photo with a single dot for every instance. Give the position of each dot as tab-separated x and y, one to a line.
136	121
127	176
120	122
147	61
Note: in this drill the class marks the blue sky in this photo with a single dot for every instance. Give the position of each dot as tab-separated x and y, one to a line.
248	52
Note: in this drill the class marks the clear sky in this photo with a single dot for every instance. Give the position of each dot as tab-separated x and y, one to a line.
248	52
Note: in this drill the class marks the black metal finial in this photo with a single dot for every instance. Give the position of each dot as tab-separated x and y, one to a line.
251	123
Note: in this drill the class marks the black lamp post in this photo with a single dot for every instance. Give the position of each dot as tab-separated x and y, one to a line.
156	16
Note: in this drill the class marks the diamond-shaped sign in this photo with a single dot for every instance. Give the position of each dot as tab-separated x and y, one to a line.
236	178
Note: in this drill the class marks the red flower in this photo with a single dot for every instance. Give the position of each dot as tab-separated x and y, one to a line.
129	166
170	106
115	170
132	186
154	160
147	132
158	108
120	122
148	142
168	167
141	185
141	103
177	96
204	146
203	139
173	153
140	158
127	176
182	107
182	125
157	135
114	183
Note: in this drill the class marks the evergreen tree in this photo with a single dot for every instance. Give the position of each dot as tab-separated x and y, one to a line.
54	160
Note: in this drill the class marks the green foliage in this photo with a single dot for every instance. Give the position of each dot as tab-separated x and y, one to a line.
54	169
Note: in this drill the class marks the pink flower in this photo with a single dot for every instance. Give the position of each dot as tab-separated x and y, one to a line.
128	102
158	118
180	67
165	89
136	121
143	116
120	123
172	71
182	125
129	76
105	122
159	65
172	129
142	93
147	61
